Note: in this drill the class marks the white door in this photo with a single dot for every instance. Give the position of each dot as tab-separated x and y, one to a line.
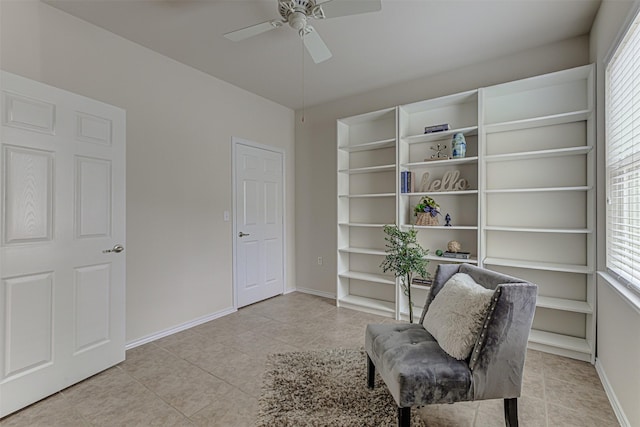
259	240
62	185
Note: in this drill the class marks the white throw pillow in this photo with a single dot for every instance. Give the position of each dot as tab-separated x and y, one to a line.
455	315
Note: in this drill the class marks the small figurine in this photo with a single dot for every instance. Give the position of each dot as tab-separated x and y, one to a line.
439	155
454	246
447	219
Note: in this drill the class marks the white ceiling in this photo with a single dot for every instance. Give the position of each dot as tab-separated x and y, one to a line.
406	40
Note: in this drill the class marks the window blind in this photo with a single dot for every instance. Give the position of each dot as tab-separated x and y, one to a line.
622	123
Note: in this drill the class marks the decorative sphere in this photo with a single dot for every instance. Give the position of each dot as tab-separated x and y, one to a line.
454	246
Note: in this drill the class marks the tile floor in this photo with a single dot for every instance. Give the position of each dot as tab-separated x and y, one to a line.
209	375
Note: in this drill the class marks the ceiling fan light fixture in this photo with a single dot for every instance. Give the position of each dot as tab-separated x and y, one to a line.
297	21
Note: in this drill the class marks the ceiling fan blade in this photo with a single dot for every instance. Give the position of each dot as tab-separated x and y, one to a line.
335	8
315	45
253	30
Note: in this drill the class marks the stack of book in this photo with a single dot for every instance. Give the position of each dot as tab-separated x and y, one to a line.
436	128
407	181
421	281
457	255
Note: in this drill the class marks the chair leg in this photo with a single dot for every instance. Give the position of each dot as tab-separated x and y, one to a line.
371	373
404	417
511	412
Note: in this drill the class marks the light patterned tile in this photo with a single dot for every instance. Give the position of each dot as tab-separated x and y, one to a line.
54	411
570	370
567	417
460	414
234	408
257	345
113	398
212	373
178	382
531	412
582	397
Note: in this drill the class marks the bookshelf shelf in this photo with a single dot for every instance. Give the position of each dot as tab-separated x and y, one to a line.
566	268
534	122
577	348
472	260
369	169
442	227
439	136
366	196
539	230
540	189
375	145
361	224
369	277
539	154
564	304
363	251
447	162
441	193
371	305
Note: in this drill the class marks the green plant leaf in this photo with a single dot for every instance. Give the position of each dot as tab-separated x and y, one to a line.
405	257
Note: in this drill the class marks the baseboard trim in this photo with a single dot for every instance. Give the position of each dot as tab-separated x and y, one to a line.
615	404
288	291
317	293
178	328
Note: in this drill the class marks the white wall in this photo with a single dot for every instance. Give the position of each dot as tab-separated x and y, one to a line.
618	311
316	201
179	127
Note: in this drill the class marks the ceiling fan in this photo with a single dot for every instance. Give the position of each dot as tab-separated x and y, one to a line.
296	13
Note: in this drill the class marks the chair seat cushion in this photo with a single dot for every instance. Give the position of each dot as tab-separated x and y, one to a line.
414	367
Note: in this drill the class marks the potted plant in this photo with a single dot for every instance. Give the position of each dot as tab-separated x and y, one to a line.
427	211
405	257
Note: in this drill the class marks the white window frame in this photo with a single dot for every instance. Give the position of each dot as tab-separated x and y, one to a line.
623	158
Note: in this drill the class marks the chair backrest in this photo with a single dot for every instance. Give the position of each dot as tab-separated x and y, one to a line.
497	360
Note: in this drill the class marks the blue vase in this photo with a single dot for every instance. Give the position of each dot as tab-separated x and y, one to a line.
458	146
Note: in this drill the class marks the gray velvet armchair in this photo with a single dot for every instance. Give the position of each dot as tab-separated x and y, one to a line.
419	372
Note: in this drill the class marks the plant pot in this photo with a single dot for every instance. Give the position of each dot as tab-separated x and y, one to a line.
425	218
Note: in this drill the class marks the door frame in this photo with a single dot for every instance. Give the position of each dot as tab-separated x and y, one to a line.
235	141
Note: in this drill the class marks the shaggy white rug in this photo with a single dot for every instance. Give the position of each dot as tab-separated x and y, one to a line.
325	388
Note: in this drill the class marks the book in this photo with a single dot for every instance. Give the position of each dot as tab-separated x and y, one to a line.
421	281
407	182
404	188
457	255
436	128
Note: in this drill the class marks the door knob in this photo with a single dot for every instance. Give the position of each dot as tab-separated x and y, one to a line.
117	249
241	234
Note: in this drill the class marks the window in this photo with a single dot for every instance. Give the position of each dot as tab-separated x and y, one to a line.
622	128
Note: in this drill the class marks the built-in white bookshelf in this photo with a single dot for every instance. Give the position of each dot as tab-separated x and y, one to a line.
528	209
415	152
538	218
367	200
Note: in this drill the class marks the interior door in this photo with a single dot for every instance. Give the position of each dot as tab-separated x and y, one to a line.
62	275
259	240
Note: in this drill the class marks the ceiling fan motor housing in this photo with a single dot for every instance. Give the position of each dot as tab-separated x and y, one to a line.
287	7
